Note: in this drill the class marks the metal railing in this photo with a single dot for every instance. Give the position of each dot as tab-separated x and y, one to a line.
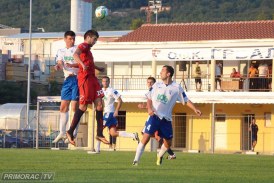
228	133
138	82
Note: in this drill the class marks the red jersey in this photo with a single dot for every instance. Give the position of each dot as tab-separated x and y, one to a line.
87	58
89	87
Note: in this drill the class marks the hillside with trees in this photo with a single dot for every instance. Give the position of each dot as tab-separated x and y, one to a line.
54	15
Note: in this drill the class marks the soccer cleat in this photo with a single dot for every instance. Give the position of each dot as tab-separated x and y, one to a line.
136	137
93	152
70	138
159	161
59	137
170	157
102	139
135	163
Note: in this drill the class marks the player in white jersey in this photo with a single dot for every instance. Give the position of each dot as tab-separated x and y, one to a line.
150	83
69	93
160	102
110	112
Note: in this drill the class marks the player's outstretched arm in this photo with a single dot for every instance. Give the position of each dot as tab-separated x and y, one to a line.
191	106
149	107
59	65
119	104
101	69
72	65
76	57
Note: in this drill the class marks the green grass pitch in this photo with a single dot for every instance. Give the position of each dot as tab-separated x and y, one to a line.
78	166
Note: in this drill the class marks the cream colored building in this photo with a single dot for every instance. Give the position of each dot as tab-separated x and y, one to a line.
226	115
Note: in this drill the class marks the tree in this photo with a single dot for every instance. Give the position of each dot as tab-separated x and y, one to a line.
136	23
261	16
54	88
15	92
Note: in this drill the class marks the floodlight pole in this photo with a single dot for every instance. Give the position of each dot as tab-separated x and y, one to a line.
156	12
29	62
155	5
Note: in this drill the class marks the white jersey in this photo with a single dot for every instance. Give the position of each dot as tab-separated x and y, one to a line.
164	98
109	99
66	56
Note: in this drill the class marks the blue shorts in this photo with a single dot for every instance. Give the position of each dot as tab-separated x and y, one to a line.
70	89
163	126
143	130
109	120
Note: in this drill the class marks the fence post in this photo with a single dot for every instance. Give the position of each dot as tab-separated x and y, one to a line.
122	83
37	123
191	133
212	127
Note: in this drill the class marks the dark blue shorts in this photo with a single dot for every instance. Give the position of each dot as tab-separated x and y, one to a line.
70	89
163	127
109	120
254	138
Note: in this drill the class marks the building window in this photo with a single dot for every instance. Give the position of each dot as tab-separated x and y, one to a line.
179	130
121	120
220	117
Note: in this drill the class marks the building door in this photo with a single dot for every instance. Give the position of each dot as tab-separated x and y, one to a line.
179	130
220	132
245	134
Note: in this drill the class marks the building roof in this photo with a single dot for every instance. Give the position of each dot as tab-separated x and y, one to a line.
7	32
201	31
12	115
12	110
196	97
2	26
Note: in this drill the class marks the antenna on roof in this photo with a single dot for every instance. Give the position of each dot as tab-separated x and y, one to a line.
41	28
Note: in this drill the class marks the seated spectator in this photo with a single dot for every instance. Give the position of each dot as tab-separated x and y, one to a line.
235	74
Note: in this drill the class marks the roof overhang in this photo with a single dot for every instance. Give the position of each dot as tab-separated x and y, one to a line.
213	97
195	97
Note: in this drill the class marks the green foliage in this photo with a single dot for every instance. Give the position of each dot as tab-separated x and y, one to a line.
15	92
54	15
12	92
54	88
261	16
136	23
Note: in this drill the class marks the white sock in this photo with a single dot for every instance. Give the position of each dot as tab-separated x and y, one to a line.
126	134
162	151
98	146
139	151
63	122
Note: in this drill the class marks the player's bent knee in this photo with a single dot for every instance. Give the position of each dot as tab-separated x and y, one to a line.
83	107
63	109
145	138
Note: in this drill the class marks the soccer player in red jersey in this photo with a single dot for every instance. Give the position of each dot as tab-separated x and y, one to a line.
89	87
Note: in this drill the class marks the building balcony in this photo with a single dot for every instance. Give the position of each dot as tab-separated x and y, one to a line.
226	84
